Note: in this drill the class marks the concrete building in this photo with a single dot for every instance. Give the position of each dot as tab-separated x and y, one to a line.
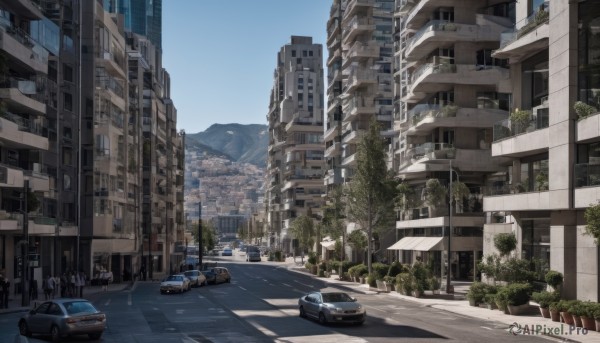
360	83
72	128
449	92
295	162
551	177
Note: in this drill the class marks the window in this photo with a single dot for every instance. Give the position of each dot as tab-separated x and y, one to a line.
67	72
66	182
293	53
67	158
589	52
68	102
304	53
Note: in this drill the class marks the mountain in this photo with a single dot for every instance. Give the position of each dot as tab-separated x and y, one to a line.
241	143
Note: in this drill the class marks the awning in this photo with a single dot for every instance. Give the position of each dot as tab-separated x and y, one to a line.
329	245
418	243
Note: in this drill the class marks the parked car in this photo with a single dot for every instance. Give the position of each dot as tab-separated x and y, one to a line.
175	284
332	307
197	279
227	252
63	317
217	275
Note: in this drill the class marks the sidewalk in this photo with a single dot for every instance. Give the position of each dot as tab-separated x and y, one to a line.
14	300
529	323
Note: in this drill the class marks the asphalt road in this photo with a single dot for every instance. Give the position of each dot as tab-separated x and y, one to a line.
260	305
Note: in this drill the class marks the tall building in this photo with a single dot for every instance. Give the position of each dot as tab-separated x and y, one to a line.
143	17
449	92
295	162
360	82
552	175
73	129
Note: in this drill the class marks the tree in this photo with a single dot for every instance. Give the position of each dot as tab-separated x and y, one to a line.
304	230
371	192
406	197
358	239
435	193
592	219
505	243
208	235
333	217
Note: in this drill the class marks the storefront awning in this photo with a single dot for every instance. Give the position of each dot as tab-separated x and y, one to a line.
418	243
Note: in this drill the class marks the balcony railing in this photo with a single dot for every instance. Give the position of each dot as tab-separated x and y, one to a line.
507	128
37	127
587	175
539	17
432	111
433	25
33	89
439	68
431	150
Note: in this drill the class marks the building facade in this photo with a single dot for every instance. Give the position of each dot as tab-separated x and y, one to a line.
295	164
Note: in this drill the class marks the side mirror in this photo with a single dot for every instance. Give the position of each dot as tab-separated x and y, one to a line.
354	300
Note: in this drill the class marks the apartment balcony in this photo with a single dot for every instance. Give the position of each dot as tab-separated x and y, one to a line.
404	6
526	38
361	50
334	56
356	6
38	181
425	117
21	47
525	201
358	78
517	139
42	226
333	30
588	128
10	221
334	41
22	133
332	130
349	161
304	124
355	27
332	104
357	105
351	137
333	177
333	150
438	33
11	176
431	78
22	95
587	184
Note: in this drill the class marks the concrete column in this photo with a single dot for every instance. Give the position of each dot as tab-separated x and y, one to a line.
587	266
563	250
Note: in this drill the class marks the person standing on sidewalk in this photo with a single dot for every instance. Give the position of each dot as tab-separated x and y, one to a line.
56	286
1	291
79	283
5	289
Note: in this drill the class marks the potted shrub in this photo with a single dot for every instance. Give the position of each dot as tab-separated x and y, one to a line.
520	120
476	293
544	299
490	300
563	308
554	311
502	299
576	310
597	316
371	280
587	315
518	297
554	279
434	285
388	282
584	110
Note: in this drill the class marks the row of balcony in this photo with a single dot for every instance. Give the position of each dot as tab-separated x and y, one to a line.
538	18
509	128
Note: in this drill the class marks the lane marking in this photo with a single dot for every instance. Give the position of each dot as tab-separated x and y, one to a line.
129	299
242	288
303	284
285	284
107	302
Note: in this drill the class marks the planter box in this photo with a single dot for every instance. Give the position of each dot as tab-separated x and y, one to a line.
597	324
555	316
588	323
567	318
545	312
516	310
577	321
492	306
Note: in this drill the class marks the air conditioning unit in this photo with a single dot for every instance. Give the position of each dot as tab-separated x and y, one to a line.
37	167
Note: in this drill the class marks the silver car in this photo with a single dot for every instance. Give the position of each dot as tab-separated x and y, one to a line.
196	277
175	284
63	317
329	307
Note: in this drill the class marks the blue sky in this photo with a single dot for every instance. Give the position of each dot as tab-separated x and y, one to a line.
221	54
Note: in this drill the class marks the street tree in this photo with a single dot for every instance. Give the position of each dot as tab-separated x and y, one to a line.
303	230
334	215
371	192
208	235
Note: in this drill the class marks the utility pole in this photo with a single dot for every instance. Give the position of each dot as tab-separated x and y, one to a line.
200	234
25	249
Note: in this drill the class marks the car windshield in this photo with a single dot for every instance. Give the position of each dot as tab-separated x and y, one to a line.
75	307
174	278
336	298
189	273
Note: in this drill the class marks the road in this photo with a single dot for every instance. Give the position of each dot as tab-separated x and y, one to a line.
260	305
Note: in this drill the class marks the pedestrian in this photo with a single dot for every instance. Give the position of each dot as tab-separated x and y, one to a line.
49	290
72	287
33	289
143	272
63	285
104	280
80	283
5	290
56	286
2	291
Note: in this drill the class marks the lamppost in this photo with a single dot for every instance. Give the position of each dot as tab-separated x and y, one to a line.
449	287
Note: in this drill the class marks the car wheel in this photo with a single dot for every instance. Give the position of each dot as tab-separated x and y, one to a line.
24	329
95	335
322	318
302	313
229	280
55	333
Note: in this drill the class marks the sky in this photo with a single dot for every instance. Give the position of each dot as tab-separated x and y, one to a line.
221	54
